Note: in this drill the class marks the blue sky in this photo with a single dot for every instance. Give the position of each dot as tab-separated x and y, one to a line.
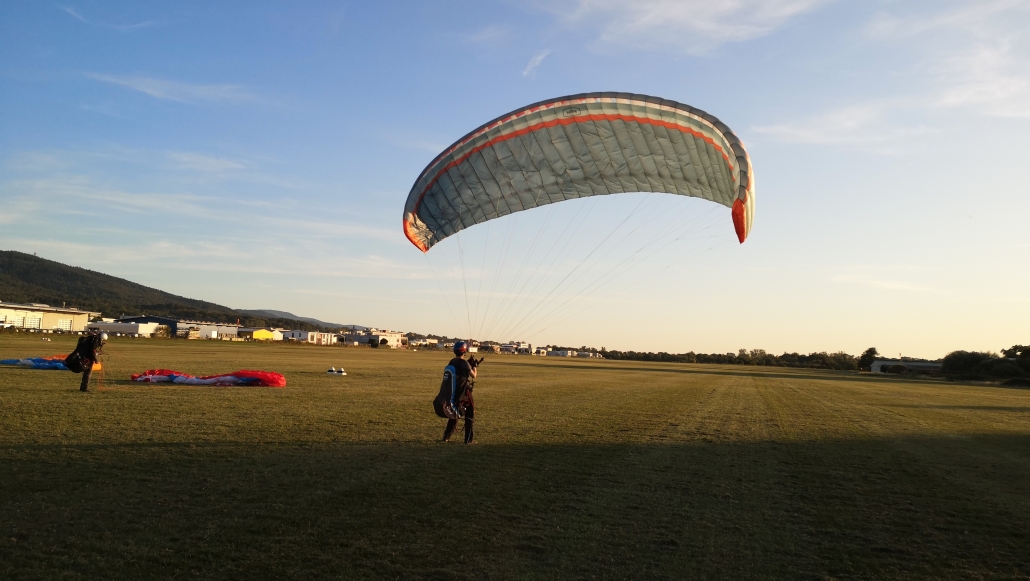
258	155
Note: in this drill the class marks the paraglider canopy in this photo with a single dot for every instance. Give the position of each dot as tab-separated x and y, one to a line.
578	146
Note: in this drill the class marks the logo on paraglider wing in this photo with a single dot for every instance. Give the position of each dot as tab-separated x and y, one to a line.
571	112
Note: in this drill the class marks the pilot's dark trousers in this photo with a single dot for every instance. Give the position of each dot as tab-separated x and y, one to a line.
470	420
87	370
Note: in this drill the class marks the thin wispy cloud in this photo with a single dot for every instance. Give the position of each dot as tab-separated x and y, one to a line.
178	91
863	125
688	26
122	27
181	255
103	109
421	143
976	54
104	199
535	62
973	58
37	161
885	284
404	300
990	79
202	163
328	229
53	178
973	17
241	254
39	202
490	34
76	15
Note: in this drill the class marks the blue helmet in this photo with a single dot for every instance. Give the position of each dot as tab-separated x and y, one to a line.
460	348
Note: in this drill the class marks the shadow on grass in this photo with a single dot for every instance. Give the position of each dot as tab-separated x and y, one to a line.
885	508
990	408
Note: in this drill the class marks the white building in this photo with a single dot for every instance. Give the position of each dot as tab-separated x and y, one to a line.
561	353
518	347
147	330
313	337
541	351
44	317
427	343
202	330
377	338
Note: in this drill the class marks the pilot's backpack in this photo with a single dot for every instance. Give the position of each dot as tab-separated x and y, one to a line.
85	350
450	389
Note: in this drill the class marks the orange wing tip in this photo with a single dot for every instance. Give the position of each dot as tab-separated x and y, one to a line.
739	220
412	238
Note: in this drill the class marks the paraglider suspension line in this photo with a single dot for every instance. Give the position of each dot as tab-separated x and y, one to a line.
468	314
446	299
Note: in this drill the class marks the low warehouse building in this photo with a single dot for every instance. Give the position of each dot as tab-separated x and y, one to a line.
260	334
377	338
172	324
187	329
44	317
314	337
198	330
131	329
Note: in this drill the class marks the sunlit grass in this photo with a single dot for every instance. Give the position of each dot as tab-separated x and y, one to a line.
584	469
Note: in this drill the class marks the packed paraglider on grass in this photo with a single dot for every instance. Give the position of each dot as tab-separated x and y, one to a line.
54	362
242	378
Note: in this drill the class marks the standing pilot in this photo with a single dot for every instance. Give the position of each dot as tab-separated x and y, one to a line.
455	399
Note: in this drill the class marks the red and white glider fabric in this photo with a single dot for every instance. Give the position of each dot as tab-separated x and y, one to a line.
577	146
243	377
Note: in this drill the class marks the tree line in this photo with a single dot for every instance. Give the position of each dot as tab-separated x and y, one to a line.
1013	362
821	360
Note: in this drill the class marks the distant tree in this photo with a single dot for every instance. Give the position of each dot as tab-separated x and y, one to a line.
865	360
1021	353
1017	351
966	364
760	357
1001	368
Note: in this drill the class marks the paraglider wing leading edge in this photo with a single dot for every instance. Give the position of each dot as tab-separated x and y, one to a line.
578	146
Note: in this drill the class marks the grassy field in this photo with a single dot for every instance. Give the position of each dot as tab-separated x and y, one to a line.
584	470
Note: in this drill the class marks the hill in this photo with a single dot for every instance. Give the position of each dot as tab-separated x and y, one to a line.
25	278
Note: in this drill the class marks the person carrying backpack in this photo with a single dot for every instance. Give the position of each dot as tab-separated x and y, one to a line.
87	352
454	401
